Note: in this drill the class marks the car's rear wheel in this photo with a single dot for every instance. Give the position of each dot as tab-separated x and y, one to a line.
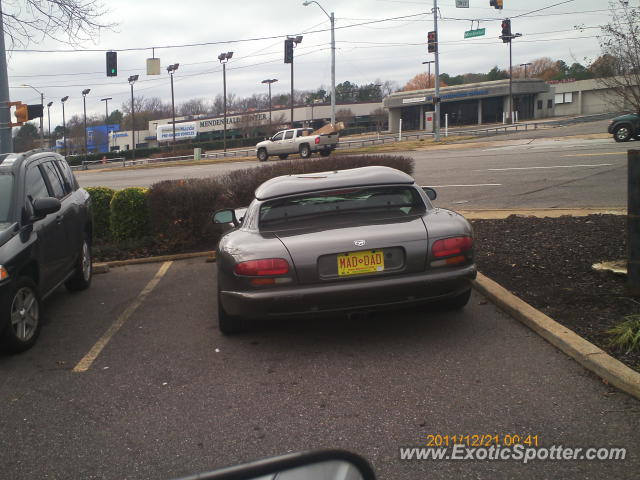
622	133
305	151
81	278
229	324
263	155
283	157
21	307
457	302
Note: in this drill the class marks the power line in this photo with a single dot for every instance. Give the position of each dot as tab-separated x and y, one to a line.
543	8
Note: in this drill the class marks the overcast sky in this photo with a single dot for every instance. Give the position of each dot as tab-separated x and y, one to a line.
386	50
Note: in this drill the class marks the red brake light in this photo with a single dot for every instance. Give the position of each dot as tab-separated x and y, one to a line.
317	140
451	246
264	267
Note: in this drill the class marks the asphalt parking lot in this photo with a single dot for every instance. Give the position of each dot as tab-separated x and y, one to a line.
169	396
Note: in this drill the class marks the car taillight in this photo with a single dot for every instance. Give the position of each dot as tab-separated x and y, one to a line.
264	267
317	140
451	246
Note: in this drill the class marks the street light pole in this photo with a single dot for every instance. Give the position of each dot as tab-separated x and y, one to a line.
84	106
49	120
333	58
132	79
428	74
64	125
269	81
224	58
170	70
294	43
106	118
525	65
436	100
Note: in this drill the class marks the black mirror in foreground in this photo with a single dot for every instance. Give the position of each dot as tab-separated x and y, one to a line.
315	465
431	193
44	206
225	216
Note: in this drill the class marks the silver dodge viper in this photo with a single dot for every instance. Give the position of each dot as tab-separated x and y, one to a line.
344	241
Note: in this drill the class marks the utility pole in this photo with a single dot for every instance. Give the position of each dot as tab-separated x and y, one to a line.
436	97
224	58
507	37
269	81
64	125
132	79
49	120
6	140
84	107
106	118
170	70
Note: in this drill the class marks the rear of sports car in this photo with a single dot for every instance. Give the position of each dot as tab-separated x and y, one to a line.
342	250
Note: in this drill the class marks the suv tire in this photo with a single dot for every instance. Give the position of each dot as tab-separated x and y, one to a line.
305	151
83	271
21	309
622	133
263	155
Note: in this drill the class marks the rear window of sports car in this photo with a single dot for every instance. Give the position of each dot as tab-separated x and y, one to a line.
400	201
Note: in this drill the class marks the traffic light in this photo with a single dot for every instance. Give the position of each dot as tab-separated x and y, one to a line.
288	50
22	113
497	4
506	30
35	111
432	42
112	64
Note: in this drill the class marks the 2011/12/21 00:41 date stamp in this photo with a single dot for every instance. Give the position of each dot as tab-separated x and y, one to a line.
482	440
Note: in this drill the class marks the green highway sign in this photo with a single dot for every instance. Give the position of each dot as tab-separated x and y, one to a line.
474	33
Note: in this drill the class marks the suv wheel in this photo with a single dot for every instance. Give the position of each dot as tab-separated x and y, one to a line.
622	133
21	307
263	155
83	271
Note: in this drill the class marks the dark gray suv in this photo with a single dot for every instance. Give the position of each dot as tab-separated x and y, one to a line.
45	240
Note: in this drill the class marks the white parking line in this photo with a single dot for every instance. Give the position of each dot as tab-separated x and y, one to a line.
474	185
84	364
542	168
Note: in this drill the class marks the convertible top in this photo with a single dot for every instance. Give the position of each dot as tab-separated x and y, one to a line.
312	182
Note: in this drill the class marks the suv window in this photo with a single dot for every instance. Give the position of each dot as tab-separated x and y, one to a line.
6	189
34	184
67	174
55	179
277	136
288	135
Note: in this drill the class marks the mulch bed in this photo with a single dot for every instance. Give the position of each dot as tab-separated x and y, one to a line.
547	262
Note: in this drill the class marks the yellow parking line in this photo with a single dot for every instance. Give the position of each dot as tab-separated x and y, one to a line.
593	154
84	364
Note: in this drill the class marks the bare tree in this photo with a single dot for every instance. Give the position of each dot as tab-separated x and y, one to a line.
620	45
380	117
67	21
195	106
345	115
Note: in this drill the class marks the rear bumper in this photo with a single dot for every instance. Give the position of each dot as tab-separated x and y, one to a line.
352	295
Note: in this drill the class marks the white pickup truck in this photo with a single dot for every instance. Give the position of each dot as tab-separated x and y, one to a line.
296	140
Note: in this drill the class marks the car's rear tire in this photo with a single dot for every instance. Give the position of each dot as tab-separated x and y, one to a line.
305	151
622	133
21	310
229	324
83	273
456	303
283	157
325	153
263	156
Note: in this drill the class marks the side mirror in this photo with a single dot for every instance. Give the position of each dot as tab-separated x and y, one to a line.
317	465
224	217
431	193
44	206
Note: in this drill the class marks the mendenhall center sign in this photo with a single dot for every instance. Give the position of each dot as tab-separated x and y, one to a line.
237	119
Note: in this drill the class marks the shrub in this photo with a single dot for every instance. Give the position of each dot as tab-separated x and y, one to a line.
626	335
100	206
129	214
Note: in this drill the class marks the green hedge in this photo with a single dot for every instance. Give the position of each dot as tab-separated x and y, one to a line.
129	217
101	211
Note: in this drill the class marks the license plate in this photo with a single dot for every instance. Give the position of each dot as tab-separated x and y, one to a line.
356	263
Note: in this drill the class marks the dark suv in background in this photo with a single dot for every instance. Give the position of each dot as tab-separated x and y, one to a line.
45	240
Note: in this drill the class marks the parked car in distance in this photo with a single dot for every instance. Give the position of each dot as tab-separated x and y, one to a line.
45	240
296	140
350	240
625	127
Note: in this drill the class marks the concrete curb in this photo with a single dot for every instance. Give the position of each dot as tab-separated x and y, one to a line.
588	355
103	267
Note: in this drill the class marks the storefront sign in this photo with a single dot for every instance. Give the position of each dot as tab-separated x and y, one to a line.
414	100
164	133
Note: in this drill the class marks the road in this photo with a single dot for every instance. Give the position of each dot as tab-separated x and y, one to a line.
513	172
169	396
